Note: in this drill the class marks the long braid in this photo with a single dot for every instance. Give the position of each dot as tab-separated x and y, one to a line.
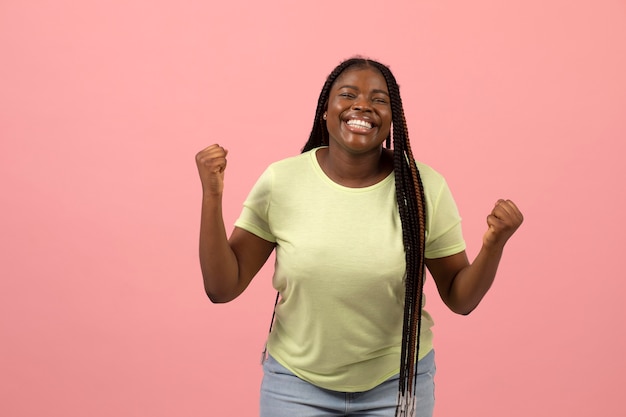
412	210
411	204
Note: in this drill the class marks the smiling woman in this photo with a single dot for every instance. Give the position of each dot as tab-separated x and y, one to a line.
358	110
358	119
354	224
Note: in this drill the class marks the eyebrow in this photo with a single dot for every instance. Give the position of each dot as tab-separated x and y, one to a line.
373	91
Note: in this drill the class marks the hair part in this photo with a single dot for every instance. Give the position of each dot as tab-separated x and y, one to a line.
412	210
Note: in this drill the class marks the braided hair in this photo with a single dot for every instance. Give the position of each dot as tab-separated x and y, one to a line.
411	205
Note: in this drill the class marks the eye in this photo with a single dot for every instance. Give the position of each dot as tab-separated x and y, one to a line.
347	95
379	100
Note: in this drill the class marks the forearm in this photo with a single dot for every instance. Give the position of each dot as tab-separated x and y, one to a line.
463	285
217	260
473	281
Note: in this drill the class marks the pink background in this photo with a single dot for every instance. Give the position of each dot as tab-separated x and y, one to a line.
103	105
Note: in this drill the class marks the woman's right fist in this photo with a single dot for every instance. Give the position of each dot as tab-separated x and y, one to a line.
211	163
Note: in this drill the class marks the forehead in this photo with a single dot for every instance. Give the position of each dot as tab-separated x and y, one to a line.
361	77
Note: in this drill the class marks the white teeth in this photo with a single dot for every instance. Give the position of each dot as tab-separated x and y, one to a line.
359	123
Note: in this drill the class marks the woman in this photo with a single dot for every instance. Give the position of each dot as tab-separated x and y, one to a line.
354	224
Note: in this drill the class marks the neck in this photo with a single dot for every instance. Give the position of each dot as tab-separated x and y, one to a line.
355	170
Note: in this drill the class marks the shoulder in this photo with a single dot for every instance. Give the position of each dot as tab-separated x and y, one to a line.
288	172
431	178
292	163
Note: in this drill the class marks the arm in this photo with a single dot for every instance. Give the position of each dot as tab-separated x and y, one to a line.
462	285
228	265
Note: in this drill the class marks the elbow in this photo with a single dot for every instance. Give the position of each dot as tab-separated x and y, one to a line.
461	304
462	310
217	298
465	312
215	289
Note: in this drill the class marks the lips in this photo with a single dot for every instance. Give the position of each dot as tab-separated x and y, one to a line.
363	124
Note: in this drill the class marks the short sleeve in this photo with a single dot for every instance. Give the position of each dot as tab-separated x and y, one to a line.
254	215
444	232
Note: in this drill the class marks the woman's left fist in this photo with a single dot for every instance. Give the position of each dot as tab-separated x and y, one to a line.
502	222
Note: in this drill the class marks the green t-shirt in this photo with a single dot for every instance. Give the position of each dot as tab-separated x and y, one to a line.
340	266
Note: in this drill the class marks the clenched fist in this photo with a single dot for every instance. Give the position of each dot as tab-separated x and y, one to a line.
502	222
211	163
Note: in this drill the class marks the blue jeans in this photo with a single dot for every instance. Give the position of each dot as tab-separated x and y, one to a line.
285	395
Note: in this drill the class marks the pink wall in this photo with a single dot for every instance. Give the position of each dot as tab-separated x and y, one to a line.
103	105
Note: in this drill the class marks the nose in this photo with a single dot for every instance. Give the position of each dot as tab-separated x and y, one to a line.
361	103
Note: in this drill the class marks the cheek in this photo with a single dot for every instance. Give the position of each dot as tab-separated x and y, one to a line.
388	122
334	109
332	124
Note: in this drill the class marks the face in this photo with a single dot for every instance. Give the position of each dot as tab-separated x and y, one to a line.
359	111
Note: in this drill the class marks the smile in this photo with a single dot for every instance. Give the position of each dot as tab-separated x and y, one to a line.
359	124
